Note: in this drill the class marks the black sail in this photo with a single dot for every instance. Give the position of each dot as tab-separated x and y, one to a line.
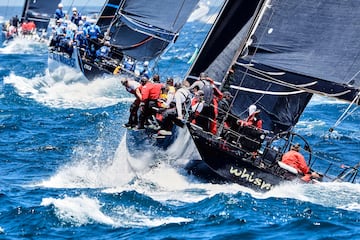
108	13
282	52
39	11
143	29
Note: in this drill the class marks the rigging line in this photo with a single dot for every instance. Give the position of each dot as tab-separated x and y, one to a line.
149	38
178	14
300	87
256	22
264	72
116	17
219	11
275	80
266	92
71	6
346	113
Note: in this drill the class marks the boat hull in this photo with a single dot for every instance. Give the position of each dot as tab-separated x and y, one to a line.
178	146
60	64
237	165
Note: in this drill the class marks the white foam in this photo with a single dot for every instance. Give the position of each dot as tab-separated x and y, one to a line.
44	89
79	210
82	210
88	171
24	46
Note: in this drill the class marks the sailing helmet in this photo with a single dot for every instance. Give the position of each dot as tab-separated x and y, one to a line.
227	94
74	9
252	109
146	63
60	5
203	76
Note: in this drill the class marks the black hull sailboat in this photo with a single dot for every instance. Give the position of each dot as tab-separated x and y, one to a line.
268	54
137	33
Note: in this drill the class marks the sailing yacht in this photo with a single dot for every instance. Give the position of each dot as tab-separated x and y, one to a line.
138	31
38	12
276	54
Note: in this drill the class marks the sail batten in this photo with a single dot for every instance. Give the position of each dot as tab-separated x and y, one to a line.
282	47
316	40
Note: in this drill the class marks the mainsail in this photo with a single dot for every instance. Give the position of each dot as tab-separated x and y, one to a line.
39	11
143	29
282	52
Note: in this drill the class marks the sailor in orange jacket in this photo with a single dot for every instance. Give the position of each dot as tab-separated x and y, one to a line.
296	160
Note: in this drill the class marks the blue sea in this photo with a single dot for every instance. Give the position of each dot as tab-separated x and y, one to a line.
67	173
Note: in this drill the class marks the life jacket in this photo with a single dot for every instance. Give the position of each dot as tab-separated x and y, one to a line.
103	51
92	31
208	92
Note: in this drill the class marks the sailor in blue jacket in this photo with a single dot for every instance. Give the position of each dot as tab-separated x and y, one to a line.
93	32
104	51
59	14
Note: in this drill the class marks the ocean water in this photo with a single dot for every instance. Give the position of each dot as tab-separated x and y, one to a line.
66	172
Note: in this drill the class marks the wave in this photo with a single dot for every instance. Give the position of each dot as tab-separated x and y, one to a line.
24	46
101	92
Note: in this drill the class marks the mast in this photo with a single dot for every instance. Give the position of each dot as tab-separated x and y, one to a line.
224	39
24	12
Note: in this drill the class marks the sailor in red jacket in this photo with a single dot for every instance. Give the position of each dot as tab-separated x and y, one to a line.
296	160
253	118
148	93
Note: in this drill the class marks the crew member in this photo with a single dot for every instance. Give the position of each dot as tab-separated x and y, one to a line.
253	119
296	160
59	14
131	86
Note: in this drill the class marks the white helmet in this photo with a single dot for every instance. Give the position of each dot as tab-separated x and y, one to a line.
146	63
252	109
60	5
74	9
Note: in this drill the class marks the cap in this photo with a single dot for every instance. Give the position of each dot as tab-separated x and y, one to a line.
227	94
156	78
144	79
123	81
170	80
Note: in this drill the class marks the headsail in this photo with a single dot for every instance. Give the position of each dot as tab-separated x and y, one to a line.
143	29
39	11
284	54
